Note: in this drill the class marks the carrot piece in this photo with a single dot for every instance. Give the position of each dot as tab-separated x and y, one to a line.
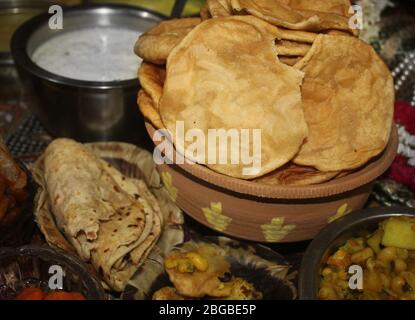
30	294
341	258
62	295
77	296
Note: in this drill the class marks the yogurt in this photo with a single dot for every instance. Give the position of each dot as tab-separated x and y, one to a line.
91	54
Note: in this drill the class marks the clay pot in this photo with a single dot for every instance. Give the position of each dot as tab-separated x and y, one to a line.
267	213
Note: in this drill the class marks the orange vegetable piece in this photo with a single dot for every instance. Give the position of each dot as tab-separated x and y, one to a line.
62	295
77	296
31	294
340	259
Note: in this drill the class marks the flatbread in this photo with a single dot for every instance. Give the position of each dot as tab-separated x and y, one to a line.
71	169
292	48
336	33
294	175
289	60
152	79
296	15
348	98
47	225
207	84
219	8
112	248
156	44
149	109
111	220
340	7
296	35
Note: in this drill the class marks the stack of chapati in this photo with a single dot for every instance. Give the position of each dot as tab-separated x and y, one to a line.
111	220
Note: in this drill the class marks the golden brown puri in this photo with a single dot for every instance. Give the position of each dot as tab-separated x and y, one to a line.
289	60
336	33
296	35
156	44
207	84
316	15
227	65
149	110
348	98
219	8
291	48
294	175
152	79
340	7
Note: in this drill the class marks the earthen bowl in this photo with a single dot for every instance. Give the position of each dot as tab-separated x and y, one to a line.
269	213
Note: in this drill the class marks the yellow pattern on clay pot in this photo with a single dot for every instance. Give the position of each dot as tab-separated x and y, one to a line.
215	217
276	230
342	211
168	183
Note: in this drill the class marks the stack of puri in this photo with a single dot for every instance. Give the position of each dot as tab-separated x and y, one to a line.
86	205
322	98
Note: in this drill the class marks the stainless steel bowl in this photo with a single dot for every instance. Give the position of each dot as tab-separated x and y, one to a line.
335	235
83	110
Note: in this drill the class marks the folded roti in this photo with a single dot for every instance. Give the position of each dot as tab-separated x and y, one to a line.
112	221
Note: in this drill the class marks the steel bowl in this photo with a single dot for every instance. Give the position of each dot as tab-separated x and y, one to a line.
83	110
336	234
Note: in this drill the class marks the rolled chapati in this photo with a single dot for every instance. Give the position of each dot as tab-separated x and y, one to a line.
111	220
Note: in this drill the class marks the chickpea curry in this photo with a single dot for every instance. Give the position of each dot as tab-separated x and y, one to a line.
387	258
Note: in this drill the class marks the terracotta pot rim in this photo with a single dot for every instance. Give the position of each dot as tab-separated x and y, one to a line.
365	175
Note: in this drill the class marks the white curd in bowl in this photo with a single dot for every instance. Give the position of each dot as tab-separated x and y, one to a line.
91	54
